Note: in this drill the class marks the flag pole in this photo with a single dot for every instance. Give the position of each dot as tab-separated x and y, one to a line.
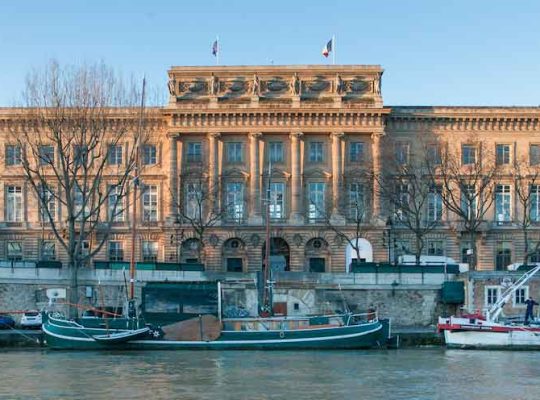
217	50
334	50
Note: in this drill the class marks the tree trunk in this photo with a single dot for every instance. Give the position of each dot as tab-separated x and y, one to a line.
73	290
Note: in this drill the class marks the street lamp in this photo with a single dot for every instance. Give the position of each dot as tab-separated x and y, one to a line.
389	225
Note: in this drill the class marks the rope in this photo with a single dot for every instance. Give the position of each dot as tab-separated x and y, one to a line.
24	335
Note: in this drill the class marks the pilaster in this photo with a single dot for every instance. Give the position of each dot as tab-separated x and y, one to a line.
296	215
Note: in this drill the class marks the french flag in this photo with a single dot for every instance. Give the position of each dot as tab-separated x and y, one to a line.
328	48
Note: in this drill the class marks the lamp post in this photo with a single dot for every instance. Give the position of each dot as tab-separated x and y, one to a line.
389	225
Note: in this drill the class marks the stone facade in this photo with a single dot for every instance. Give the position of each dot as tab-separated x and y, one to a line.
321	126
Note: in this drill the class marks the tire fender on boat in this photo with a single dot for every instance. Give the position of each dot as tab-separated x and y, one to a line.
281	334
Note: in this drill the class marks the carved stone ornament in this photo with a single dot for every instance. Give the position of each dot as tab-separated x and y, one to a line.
196	86
213	240
338	240
317	85
297	239
237	86
255	240
276	85
356	85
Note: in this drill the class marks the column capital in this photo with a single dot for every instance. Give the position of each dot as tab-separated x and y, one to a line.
337	135
173	135
214	135
296	135
377	135
255	135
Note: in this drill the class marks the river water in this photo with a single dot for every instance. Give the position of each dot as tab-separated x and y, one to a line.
378	374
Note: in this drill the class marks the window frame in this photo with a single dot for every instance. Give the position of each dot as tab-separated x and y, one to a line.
115	156
357	151
503	198
150	154
504	157
489	295
150	203
235	152
470	156
14	203
192	155
13	155
316	151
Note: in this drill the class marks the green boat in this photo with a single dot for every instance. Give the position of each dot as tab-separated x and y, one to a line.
347	331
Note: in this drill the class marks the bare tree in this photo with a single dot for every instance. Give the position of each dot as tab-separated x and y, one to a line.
414	201
353	206
78	152
198	205
467	175
527	189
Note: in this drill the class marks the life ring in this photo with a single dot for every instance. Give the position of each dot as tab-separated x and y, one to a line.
281	334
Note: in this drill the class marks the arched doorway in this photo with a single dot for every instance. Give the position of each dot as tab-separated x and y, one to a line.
233	255
316	255
279	254
365	250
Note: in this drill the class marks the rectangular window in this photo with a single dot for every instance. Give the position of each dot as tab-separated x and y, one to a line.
80	155
316	150
115	155
434	154
115	204
492	294
435	248
235	201
81	208
85	249
116	251
534	252
194	152
277	200
13	155
149	156
534	154
14	251
502	154
357	202
434	211
46	154
468	154
316	201
150	251
401	247
503	204
403	200
276	152
48	250
535	203
521	295
402	153
47	204
150	203
356	151
503	258
235	152
14	204
468	201
193	201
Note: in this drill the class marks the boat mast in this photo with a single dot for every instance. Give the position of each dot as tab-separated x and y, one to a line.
136	182
267	306
494	311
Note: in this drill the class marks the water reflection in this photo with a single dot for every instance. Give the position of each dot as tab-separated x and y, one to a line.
403	374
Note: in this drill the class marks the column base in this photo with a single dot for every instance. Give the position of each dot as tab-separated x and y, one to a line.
296	219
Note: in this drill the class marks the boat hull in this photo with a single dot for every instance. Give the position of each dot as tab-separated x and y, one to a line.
512	340
474	333
77	337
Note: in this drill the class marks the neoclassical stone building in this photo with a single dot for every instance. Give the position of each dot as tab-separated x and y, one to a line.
320	128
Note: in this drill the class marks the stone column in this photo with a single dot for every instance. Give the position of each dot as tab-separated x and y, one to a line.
173	176
255	217
337	173
296	216
376	156
213	171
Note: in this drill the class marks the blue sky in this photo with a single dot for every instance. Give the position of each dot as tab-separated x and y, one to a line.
471	52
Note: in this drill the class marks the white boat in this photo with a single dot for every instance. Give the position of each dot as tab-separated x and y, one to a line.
486	331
